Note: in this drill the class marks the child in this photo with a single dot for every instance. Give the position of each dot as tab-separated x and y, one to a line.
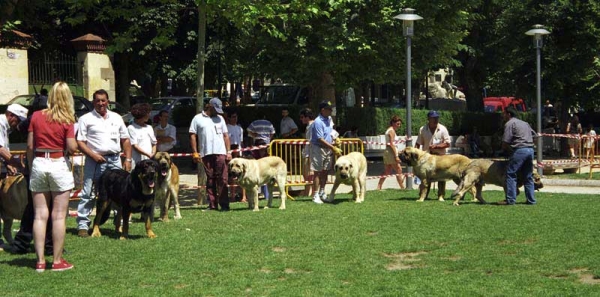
141	134
589	142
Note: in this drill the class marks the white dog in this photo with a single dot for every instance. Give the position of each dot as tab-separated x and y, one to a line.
250	174
351	169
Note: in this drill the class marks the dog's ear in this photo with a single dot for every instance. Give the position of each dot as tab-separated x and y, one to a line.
336	168
350	165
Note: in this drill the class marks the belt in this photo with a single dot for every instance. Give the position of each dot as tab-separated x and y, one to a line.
111	155
526	147
51	155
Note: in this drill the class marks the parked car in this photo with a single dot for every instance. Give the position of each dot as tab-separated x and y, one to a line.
81	104
186	104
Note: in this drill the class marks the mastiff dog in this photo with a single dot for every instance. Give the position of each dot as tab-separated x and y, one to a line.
13	200
129	193
351	169
482	171
432	168
251	174
167	186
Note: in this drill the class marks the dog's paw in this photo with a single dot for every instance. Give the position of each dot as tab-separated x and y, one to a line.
282	208
177	217
96	234
441	199
123	238
151	235
255	209
420	200
455	203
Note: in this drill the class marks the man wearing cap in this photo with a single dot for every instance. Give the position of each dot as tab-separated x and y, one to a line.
209	140
434	138
101	136
518	136
14	114
321	148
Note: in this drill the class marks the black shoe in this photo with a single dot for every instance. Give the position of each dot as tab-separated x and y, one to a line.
11	249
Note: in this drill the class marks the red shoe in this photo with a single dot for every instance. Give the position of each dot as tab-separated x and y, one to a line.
62	266
40	267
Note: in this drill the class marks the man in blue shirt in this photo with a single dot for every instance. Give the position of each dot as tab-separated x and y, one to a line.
321	149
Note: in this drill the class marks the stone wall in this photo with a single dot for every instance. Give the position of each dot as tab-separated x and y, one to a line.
14	73
98	73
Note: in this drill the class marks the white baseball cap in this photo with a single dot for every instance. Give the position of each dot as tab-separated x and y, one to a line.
18	110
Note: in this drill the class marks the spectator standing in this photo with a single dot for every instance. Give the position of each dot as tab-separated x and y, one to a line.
288	127
574	128
307	118
236	139
475	143
518	136
391	161
165	133
51	132
141	135
209	140
589	142
321	149
434	139
352	133
262	131
101	136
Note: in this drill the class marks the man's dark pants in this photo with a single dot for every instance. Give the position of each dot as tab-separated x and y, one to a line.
216	180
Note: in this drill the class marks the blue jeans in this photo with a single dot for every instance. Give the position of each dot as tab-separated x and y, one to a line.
520	164
91	173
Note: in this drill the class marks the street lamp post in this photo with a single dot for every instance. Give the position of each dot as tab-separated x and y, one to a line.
538	32
408	17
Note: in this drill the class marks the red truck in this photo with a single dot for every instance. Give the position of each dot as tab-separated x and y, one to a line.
498	104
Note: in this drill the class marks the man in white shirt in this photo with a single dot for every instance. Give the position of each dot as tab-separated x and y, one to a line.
287	127
209	140
434	139
13	116
102	133
166	134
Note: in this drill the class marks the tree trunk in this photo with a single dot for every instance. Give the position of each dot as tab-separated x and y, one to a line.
122	79
6	11
323	90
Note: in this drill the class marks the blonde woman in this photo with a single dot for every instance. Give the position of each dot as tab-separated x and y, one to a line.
50	134
390	156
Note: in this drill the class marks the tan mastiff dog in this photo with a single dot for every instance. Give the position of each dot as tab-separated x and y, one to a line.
167	190
351	169
13	199
432	168
251	174
482	171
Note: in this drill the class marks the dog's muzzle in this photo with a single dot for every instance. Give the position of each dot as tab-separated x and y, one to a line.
164	169
343	175
235	174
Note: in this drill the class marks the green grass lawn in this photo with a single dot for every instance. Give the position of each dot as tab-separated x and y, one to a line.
388	246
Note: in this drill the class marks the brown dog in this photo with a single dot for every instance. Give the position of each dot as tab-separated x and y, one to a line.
167	190
431	168
482	171
13	199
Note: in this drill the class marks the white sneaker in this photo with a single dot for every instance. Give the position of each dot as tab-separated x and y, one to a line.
317	199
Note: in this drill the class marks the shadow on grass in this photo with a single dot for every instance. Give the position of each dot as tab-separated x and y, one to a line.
21	262
110	233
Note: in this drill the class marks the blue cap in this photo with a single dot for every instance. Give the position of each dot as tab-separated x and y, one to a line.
217	104
433	114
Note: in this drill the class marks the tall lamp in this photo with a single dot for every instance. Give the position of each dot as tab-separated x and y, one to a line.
408	18
538	32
